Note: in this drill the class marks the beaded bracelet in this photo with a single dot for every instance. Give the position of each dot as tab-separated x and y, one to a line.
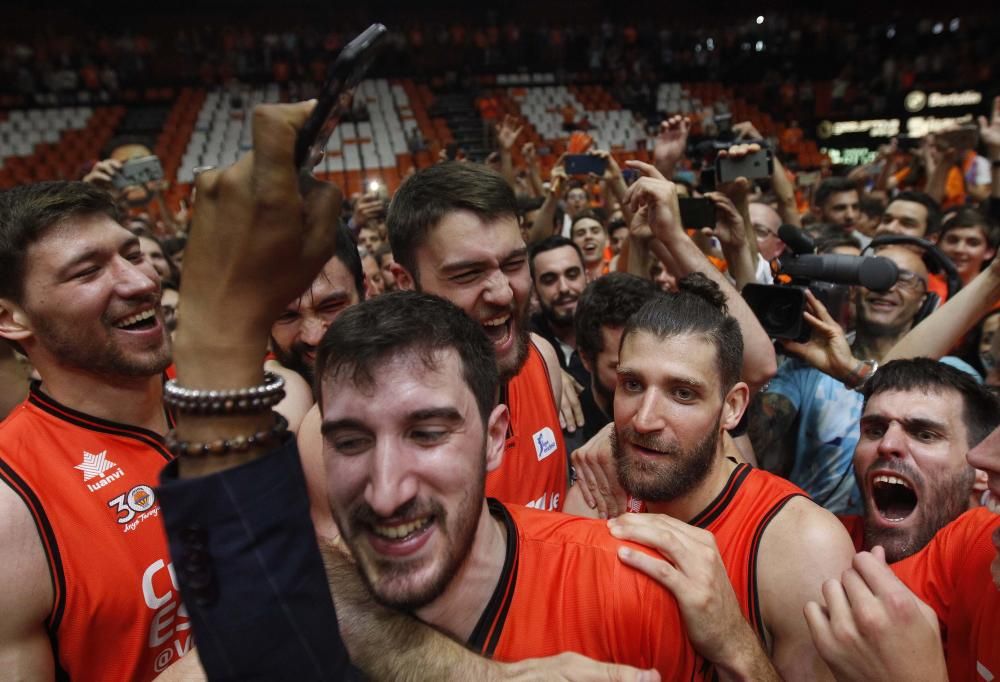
223	446
235	401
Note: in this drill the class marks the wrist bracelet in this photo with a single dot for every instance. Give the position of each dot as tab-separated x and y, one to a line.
223	446
235	401
860	374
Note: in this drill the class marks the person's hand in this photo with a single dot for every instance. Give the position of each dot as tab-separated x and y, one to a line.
989	131
874	628
827	349
597	476
653	201
692	569
570	411
102	172
746	130
367	207
508	132
729	227
528	152
260	235
571	667
612	172
558	178
671	143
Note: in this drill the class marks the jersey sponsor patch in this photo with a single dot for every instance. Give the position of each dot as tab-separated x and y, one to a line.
96	466
545	443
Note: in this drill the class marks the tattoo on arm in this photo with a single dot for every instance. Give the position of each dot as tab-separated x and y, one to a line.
771	416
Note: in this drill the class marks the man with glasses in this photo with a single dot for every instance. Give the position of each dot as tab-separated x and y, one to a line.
766	221
814	392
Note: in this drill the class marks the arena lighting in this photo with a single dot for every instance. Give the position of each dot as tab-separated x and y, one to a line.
953	25
938	28
891	33
760	19
759	46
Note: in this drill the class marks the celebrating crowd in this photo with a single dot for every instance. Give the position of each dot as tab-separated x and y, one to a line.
686	419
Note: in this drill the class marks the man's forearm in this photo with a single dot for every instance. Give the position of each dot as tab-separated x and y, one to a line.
939	333
759	361
542	227
389	645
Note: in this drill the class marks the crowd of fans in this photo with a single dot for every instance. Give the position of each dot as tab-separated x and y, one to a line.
867	62
709	365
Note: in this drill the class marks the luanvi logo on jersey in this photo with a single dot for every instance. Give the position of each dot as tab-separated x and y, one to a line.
95	466
545	443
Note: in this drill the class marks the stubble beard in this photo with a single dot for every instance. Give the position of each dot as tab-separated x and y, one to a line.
678	473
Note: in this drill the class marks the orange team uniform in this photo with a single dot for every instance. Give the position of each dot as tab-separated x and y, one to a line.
952	574
563	588
738	517
534	470
88	483
855	526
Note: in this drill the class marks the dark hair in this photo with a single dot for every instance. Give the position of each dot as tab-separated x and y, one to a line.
346	251
175	273
556	241
828	244
608	301
381	252
616	224
967	216
407	322
698	307
427	197
933	209
872	207
981	408
831	186
586	214
26	212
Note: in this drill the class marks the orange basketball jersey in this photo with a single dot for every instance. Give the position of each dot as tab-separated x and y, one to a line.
89	484
952	574
563	588
534	470
738	517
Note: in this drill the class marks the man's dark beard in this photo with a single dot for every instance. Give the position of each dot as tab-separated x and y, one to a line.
466	523
558	319
521	346
294	360
677	474
949	500
108	359
603	398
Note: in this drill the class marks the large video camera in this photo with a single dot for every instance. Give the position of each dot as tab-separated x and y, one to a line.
779	307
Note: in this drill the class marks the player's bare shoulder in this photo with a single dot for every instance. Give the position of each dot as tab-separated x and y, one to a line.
27	596
802	547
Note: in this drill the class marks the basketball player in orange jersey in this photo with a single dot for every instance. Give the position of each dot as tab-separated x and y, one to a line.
411	427
678	391
454	233
89	590
875	626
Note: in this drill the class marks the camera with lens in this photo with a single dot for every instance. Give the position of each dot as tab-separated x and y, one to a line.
780	307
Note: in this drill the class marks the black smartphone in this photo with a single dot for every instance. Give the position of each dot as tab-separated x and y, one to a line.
584	164
335	98
697	212
630	175
752	166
